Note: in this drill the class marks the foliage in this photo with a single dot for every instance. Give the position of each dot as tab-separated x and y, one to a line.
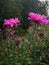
25	48
19	46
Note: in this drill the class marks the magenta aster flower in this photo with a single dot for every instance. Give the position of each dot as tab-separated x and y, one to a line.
41	19
17	21
11	22
32	16
44	21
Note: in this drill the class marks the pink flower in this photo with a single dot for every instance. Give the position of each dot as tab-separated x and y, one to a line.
17	21
11	33
11	22
32	16
41	19
44	21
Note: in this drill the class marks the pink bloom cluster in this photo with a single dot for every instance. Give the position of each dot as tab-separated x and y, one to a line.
41	19
11	22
